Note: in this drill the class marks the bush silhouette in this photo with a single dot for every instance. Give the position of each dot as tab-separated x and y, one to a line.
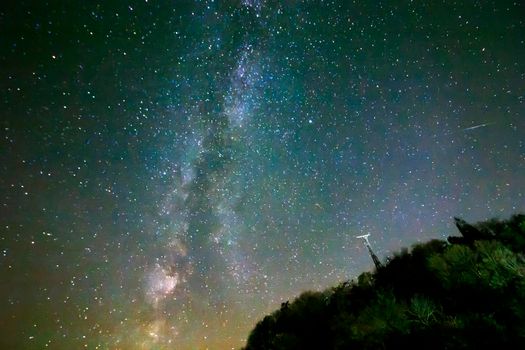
466	293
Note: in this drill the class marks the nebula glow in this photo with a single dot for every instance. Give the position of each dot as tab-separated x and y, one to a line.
170	172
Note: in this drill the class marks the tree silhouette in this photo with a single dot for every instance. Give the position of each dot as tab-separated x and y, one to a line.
467	293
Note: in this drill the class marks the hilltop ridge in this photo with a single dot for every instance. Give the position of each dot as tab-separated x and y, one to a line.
466	292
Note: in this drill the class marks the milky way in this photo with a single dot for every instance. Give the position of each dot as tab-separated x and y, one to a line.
170	172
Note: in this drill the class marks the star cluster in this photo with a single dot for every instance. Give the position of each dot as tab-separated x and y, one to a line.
172	171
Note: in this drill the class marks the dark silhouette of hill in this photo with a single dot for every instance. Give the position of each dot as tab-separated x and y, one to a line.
467	293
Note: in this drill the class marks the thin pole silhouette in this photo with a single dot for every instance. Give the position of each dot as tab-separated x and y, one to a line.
375	259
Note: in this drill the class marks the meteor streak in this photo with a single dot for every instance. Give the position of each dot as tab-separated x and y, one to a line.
477	126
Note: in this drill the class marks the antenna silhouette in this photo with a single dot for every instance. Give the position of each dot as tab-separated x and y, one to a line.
375	259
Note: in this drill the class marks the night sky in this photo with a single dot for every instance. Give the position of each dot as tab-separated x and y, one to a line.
171	171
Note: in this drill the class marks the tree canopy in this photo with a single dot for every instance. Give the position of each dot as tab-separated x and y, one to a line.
466	293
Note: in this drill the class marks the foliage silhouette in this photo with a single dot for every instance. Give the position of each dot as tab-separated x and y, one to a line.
467	293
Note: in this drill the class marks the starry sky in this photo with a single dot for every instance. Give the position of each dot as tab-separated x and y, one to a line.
171	171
